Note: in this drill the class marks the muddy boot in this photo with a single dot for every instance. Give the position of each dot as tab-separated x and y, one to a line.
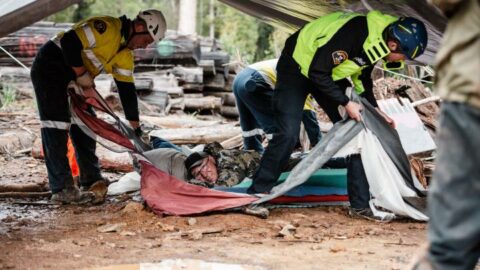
72	195
366	213
99	190
257	211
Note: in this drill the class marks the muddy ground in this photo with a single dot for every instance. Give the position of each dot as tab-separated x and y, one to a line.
74	237
122	231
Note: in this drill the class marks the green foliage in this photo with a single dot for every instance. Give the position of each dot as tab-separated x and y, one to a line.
237	32
264	48
7	95
254	39
88	8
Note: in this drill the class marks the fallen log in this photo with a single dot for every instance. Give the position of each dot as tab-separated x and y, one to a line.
28	187
229	111
182	121
109	160
215	83
190	75
234	142
19	195
198	135
208	67
203	103
11	142
228	98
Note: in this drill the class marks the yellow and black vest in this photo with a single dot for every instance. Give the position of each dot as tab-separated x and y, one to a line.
318	32
102	43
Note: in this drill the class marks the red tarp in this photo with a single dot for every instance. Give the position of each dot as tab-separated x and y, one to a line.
165	194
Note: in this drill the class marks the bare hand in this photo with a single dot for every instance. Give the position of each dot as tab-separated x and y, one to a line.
387	118
353	109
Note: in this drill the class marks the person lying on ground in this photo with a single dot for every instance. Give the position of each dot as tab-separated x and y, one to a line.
214	166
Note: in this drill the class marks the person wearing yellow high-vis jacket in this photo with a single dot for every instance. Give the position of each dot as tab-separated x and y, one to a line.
253	90
90	47
319	59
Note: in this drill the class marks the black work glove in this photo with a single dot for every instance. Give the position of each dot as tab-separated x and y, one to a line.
138	132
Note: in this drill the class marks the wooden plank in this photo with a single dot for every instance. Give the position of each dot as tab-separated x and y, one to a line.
203	103
229	111
198	135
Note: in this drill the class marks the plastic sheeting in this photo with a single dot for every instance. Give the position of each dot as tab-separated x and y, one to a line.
382	154
165	194
386	183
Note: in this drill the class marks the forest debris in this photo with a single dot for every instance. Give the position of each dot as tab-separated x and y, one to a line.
127	233
166	227
287	230
110	227
14	141
418	168
27	187
25	194
132	208
202	135
337	248
191	221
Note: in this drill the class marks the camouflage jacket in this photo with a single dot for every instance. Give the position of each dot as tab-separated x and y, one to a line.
233	165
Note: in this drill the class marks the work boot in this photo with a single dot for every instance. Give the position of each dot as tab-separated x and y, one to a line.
99	189
258	211
366	213
72	195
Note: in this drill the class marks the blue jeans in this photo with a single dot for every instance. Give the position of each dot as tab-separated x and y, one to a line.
454	197
254	102
158	142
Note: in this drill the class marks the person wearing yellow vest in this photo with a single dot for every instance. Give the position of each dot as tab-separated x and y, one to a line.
319	59
253	90
90	47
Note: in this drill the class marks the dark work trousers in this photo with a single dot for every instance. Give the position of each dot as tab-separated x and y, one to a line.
310	122
254	102
50	77
288	101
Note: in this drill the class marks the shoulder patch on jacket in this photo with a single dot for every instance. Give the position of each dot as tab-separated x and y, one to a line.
339	57
100	26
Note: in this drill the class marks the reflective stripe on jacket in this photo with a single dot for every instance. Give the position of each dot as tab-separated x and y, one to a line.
317	33
104	47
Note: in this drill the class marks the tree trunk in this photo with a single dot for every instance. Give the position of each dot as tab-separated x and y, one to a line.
187	18
204	103
198	135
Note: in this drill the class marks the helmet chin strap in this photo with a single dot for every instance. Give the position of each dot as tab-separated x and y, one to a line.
135	33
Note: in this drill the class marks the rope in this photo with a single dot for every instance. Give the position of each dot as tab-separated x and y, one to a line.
15	59
405	76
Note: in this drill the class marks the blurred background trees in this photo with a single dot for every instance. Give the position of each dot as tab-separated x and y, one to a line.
253	39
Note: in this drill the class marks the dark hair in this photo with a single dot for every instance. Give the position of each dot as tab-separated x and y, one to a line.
194	159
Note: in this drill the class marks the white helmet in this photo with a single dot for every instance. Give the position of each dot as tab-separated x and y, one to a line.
155	22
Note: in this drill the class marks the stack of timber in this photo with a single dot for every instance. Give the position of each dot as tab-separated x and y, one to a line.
181	73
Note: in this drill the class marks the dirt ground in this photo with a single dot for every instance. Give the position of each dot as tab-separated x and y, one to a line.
122	231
